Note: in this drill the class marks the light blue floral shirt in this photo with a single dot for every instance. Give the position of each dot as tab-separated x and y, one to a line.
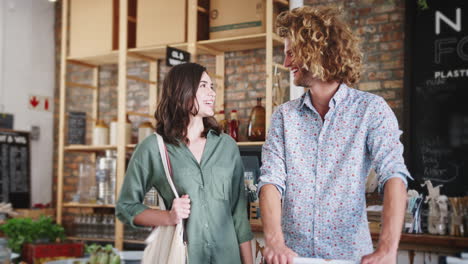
320	168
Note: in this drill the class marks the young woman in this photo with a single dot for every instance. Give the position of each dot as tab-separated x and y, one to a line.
206	169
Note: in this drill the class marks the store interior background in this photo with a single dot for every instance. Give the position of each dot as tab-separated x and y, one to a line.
30	65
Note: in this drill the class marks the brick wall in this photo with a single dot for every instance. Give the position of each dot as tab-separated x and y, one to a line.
380	24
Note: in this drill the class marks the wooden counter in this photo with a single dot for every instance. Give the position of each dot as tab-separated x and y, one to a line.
413	242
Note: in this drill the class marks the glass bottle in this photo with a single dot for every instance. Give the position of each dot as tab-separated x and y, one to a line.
5	252
234	126
256	126
105	178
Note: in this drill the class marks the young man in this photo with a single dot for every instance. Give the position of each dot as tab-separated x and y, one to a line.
320	148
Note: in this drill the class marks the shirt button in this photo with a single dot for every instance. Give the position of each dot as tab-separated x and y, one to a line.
316	238
206	225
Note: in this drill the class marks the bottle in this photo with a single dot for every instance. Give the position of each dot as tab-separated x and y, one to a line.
113	132
5	252
105	178
256	126
234	126
100	133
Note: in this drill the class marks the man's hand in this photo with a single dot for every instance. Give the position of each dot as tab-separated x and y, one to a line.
278	253
180	209
380	257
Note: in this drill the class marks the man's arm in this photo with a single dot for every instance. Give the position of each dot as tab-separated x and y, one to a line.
392	222
276	250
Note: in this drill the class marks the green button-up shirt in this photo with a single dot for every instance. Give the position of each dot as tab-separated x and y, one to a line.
218	220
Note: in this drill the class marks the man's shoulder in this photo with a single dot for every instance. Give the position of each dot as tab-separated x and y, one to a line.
364	98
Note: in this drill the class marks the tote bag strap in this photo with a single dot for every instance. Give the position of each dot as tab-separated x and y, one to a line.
166	164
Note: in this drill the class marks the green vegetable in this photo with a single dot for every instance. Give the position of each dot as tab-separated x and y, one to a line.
115	259
24	230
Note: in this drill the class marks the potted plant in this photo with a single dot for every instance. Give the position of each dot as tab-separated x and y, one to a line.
25	230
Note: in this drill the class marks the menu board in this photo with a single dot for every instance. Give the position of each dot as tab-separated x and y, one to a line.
15	175
438	85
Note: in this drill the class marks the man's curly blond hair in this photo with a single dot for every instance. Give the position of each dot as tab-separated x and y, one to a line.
322	42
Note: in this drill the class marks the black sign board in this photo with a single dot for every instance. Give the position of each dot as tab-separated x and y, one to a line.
176	56
15	172
76	128
438	101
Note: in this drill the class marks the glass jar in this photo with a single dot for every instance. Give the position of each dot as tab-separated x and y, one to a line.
100	133
5	252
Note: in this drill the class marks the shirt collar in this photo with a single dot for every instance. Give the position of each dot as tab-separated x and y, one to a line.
336	99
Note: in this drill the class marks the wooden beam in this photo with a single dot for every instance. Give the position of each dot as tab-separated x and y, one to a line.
132	19
138	79
121	110
82	85
141	56
192	17
219	85
130	113
269	63
209	50
153	89
80	63
61	127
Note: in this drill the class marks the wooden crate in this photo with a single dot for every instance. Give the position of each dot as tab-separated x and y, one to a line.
161	22
35	213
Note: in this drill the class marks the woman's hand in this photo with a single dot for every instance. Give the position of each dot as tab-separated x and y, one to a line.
180	209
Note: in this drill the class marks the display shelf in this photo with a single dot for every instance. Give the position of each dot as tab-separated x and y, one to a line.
88	148
110	240
134	241
87	205
248	42
111	57
251	143
155	52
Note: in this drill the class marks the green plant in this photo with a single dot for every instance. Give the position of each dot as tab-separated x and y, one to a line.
24	230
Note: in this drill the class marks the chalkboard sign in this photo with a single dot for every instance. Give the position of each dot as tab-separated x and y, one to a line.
15	178
439	94
76	128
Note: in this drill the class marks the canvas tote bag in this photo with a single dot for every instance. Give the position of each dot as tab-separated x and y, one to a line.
165	244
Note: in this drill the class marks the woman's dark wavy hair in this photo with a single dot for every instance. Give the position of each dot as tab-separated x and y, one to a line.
178	98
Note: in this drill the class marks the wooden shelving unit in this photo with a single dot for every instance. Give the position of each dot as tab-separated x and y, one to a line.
86	148
151	54
82	205
110	240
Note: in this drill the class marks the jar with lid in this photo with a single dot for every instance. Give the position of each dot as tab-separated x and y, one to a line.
144	130
113	132
100	133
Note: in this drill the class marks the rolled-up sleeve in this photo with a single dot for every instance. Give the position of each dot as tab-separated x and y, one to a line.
383	143
136	184
239	203
273	170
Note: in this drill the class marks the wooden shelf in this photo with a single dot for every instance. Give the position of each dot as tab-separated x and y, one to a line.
131	146
87	148
110	240
284	3
100	59
249	42
134	241
82	205
157	52
427	240
251	143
